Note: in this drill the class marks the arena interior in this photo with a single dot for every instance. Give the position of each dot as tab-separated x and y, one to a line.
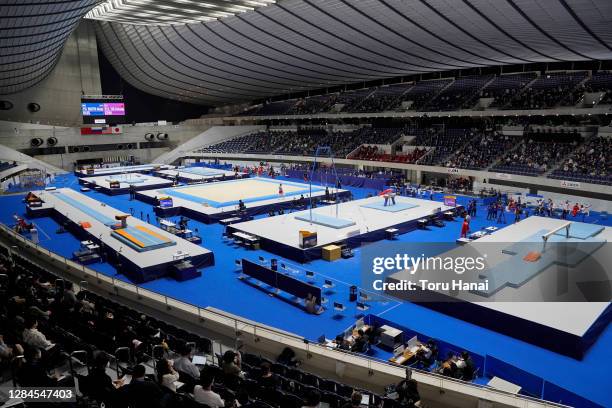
235	203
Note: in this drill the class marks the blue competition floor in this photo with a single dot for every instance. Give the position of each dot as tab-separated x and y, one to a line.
589	377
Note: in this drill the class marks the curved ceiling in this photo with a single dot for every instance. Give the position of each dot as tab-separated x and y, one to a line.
296	45
166	12
32	36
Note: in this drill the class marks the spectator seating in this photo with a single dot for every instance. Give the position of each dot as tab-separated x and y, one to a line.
312	105
444	144
236	145
268	141
481	152
7	165
547	91
382	99
601	82
457	94
303	142
371	153
352	100
85	324
421	93
503	88
509	91
589	163
538	153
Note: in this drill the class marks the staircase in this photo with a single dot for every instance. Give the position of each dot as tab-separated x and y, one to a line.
470	102
12	155
571	92
436	95
503	154
520	94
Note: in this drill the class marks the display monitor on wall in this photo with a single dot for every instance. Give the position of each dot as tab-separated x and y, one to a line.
103	110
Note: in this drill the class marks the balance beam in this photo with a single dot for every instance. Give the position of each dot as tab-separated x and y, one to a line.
548	234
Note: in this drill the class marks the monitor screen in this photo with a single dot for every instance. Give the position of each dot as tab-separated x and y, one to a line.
103	111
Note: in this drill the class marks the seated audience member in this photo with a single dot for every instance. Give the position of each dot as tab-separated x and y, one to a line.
33	373
204	394
7	352
407	393
287	357
231	364
184	365
355	401
167	375
33	337
99	385
266	379
140	392
312	399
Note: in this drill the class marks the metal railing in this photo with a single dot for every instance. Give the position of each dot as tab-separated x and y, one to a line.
243	327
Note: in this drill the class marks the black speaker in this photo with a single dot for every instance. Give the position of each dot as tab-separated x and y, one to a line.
130	146
86	148
6	105
120	147
33	107
51	141
36	142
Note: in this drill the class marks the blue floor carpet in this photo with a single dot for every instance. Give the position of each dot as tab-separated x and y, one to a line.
589	378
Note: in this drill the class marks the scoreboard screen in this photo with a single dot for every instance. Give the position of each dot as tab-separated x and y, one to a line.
102	111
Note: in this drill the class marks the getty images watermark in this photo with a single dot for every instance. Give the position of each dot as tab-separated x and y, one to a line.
488	272
420	265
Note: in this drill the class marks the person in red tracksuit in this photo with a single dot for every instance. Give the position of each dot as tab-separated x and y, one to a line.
465	227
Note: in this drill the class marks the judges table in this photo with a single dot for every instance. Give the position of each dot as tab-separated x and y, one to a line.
406	356
166	225
246	239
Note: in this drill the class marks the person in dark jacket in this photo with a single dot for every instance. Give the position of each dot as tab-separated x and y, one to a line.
33	373
98	384
287	357
408	393
140	392
267	379
355	401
